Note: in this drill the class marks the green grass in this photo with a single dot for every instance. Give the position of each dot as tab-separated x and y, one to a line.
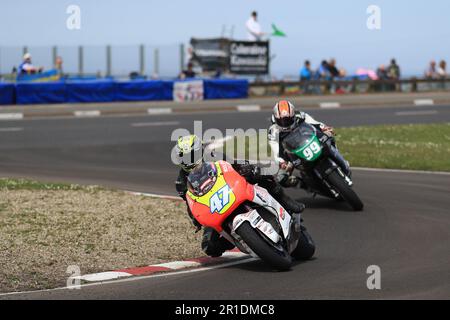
25	184
412	147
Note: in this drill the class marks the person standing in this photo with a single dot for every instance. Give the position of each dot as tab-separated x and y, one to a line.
442	70
26	67
431	72
306	76
393	70
254	31
305	72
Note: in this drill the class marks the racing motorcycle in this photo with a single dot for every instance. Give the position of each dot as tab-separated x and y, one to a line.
247	215
309	151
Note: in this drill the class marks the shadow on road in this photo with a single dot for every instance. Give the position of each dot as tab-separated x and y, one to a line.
261	266
324	203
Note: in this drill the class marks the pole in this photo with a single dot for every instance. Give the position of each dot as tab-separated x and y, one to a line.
182	57
142	59
156	62
108	60
80	60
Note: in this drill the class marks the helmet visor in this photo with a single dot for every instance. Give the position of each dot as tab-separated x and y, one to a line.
285	122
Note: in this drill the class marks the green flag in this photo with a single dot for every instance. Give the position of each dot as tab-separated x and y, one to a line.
277	32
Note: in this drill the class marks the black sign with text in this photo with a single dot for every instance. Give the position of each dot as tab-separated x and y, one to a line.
238	57
249	57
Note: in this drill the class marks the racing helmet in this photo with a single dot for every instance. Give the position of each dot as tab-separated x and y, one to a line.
284	115
189	152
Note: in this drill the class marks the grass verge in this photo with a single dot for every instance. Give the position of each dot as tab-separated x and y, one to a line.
413	147
46	227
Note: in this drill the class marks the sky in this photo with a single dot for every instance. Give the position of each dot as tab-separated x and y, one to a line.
414	32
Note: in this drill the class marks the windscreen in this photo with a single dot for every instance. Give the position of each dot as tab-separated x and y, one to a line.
299	137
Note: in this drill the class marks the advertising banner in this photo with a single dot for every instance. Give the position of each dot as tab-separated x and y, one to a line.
211	54
190	90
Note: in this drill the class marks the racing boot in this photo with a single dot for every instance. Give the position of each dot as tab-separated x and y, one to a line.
213	244
340	161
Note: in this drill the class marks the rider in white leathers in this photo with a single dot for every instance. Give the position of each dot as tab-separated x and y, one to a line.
284	120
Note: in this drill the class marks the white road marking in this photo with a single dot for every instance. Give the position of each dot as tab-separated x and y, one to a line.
11	116
11	129
155	124
179	265
87	113
329	105
424	102
416	113
102	276
248	108
153	195
159	110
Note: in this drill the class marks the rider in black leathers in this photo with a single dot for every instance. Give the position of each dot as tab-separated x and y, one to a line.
212	243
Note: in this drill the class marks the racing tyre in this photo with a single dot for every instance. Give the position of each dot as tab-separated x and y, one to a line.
275	257
346	192
305	247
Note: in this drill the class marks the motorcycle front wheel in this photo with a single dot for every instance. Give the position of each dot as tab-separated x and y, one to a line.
276	258
346	192
306	247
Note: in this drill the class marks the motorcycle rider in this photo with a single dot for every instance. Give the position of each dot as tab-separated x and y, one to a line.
190	154
284	120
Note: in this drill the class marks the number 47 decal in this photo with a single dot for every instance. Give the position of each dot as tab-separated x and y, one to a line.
219	199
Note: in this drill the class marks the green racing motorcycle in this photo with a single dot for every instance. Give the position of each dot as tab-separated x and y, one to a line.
310	152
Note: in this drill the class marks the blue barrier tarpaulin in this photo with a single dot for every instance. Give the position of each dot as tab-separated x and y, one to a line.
108	90
91	91
225	89
143	90
41	92
7	93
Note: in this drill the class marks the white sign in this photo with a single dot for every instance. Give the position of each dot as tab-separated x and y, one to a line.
188	90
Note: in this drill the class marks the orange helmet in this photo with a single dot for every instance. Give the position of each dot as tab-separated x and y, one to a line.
284	114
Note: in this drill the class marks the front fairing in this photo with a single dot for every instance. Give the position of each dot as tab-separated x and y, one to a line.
303	143
228	192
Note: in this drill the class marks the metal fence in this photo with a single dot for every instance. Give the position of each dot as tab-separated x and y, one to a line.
282	88
165	61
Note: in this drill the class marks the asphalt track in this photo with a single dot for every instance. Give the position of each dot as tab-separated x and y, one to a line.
404	229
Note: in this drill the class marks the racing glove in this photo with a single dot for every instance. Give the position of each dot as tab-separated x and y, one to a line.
329	131
180	187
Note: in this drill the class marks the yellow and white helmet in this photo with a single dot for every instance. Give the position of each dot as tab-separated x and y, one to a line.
189	151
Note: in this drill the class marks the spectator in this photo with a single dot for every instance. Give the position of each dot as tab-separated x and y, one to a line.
254	31
323	71
59	64
431	72
305	72
393	70
382	73
334	72
189	73
27	67
442	70
383	76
